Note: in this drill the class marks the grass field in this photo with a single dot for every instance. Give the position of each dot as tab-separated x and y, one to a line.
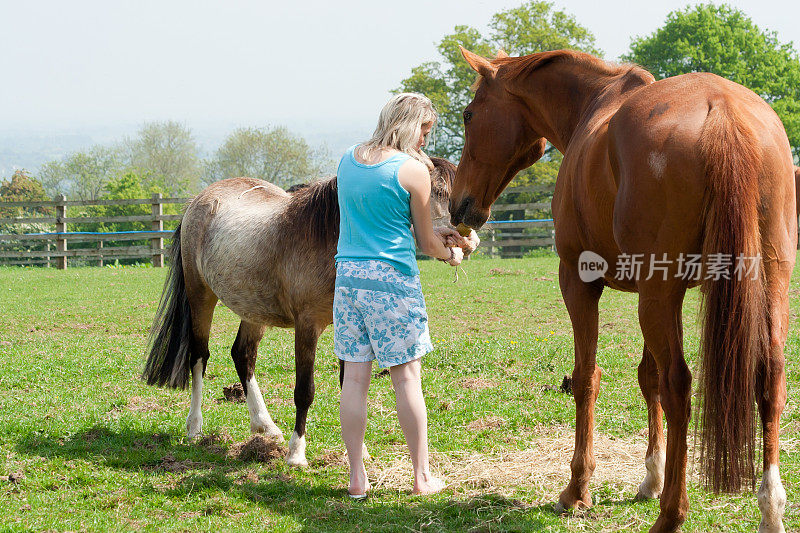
99	450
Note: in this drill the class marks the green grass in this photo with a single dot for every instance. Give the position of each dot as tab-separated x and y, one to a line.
91	439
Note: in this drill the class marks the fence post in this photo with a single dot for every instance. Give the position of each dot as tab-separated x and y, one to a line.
61	227
491	242
47	243
100	251
157	243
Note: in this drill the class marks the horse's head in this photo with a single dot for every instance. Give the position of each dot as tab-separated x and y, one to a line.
499	142
442	177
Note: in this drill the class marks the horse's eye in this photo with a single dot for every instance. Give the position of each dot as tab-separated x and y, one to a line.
467	116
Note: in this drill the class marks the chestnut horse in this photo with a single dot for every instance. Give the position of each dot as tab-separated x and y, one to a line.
269	257
690	166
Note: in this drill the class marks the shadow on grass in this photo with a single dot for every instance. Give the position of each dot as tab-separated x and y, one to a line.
208	470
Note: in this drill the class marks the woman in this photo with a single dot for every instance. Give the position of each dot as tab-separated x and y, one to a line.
379	312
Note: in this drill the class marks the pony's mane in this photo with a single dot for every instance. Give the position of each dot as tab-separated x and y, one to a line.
442	176
314	212
313	209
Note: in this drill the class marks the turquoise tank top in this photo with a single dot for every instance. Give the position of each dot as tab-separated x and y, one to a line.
375	213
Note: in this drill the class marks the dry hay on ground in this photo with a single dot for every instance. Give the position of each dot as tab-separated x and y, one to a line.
543	468
478	383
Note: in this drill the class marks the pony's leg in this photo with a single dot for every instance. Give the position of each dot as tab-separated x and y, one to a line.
771	396
656	456
201	302
244	354
660	319
306	334
581	300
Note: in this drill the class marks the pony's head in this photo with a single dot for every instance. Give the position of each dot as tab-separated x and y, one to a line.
442	177
499	142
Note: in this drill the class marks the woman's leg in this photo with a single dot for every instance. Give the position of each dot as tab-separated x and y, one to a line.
353	416
413	417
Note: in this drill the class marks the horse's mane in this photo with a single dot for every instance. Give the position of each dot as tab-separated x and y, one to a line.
314	212
442	176
511	68
520	66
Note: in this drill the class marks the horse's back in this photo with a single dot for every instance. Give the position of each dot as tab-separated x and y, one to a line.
230	236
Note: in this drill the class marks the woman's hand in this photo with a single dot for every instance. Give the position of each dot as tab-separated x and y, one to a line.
458	256
449	236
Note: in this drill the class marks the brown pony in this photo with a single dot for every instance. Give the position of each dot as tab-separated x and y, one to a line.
268	255
693	168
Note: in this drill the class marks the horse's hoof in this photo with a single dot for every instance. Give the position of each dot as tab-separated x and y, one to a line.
645	493
567	503
772	502
272	432
299	460
297	451
194	428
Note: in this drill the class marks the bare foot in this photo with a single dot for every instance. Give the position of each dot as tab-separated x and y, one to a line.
428	484
359	484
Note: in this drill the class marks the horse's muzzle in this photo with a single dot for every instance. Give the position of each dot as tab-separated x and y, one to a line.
468	213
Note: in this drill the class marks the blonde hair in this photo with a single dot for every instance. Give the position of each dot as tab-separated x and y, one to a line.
400	124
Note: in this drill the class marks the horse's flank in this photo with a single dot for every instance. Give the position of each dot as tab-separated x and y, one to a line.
285	234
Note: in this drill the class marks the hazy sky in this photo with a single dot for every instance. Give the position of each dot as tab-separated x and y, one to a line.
313	63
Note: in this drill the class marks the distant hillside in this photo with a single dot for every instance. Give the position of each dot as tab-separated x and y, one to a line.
29	150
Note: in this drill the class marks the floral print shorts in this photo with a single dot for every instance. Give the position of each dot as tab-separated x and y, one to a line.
378	313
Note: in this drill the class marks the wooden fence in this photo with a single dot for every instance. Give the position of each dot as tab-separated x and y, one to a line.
57	246
54	248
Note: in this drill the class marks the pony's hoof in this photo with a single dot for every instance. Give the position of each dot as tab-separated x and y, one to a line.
272	432
297	451
194	428
647	493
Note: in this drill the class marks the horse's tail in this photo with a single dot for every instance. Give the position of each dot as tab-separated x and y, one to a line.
735	318
171	334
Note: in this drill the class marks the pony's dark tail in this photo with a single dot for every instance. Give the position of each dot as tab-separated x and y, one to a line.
171	335
735	318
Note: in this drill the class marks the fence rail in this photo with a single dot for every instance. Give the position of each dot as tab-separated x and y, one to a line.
53	248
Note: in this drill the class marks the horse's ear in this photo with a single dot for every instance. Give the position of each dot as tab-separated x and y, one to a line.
479	64
501	54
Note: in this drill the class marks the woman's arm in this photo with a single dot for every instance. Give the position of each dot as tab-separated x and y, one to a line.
415	178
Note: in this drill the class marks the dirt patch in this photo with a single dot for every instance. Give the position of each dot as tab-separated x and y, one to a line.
152	441
248	477
95	433
14	477
486	422
258	448
478	383
138	404
330	458
505	272
234	393
216	442
170	464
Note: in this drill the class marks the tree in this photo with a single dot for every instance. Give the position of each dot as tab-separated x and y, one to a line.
82	175
274	155
22	188
723	40
532	27
166	155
